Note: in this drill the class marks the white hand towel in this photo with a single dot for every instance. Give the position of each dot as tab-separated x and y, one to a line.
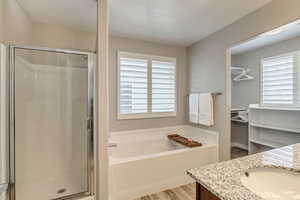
206	109
194	108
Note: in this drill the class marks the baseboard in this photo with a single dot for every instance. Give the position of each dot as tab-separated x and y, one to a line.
239	145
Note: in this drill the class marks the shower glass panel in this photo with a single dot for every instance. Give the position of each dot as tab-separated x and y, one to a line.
50	133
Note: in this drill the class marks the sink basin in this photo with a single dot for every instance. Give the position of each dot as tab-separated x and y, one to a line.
273	184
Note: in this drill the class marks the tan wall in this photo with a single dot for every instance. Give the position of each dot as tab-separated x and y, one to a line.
207	58
54	36
1	21
138	46
15	25
17	28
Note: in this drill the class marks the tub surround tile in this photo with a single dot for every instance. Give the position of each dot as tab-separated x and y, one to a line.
223	179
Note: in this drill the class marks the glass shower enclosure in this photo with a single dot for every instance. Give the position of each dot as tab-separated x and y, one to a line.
51	129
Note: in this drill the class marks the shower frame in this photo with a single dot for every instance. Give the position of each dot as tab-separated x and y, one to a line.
90	118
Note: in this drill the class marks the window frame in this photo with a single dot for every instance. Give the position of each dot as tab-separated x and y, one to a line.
296	81
149	113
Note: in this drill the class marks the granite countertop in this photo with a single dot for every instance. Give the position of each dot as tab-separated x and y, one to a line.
223	179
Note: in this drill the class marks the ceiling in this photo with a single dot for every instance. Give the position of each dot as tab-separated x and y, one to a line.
180	22
285	32
77	14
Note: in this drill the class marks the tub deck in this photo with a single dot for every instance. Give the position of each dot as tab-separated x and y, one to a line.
147	162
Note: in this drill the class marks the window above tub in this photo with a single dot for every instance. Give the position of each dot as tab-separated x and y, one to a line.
146	86
280	85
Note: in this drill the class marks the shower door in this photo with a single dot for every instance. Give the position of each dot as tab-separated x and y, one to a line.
51	129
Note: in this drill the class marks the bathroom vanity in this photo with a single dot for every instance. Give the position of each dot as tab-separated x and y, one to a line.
204	194
253	177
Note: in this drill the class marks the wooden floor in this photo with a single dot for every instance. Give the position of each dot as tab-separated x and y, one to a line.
186	192
237	152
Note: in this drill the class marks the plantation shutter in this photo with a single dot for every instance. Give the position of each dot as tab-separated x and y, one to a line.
146	86
278	80
163	86
133	86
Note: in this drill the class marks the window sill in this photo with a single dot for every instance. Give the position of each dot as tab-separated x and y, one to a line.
146	115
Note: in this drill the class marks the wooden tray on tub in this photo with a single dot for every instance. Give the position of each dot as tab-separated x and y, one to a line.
184	141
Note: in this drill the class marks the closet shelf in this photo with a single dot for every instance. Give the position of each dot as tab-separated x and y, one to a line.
268	143
258	107
272	127
291	130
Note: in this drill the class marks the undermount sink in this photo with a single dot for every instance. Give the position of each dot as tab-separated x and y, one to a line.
273	184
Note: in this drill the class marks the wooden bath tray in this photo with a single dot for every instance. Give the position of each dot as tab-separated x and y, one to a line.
184	141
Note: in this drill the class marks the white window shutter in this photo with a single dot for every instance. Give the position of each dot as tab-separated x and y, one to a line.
133	86
163	86
146	87
278	75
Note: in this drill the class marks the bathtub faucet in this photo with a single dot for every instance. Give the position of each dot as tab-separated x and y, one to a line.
112	145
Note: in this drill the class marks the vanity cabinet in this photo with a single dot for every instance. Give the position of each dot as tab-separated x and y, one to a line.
203	194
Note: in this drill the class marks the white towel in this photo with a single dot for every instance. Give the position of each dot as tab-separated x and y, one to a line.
206	109
194	108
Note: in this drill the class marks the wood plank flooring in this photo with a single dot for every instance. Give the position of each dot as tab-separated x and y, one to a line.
185	192
237	152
